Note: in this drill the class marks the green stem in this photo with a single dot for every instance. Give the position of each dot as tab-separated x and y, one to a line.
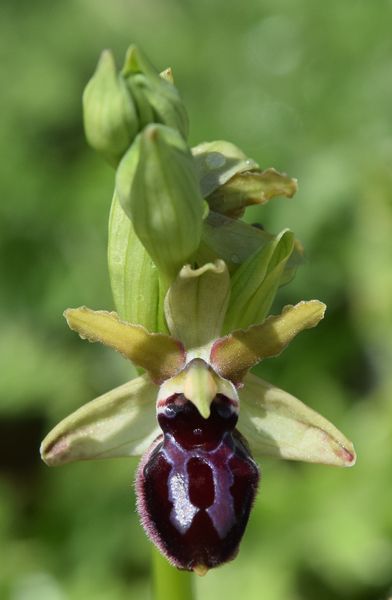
168	582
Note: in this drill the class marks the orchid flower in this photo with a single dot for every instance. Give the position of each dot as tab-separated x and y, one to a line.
197	479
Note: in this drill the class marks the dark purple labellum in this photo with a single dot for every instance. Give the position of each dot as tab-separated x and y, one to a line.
196	484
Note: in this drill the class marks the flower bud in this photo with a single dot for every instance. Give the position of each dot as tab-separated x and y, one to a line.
158	189
156	98
110	118
116	106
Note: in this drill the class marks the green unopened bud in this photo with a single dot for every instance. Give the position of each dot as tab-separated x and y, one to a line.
159	191
156	98
110	119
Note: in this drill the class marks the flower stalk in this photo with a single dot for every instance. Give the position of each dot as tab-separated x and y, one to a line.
169	583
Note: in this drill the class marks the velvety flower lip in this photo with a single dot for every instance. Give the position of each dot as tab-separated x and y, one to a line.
122	422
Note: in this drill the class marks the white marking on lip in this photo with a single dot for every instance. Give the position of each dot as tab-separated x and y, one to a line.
183	510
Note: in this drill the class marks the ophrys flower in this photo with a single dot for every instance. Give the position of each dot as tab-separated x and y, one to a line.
197	478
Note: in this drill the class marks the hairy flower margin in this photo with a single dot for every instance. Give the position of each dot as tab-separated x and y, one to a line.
195	329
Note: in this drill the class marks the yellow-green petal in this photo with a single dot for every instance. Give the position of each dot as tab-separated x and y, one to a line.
159	354
232	356
277	424
119	423
249	188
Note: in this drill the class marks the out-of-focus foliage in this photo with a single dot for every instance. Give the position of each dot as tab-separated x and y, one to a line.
303	86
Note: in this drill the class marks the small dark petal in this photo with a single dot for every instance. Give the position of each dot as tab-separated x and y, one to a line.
196	486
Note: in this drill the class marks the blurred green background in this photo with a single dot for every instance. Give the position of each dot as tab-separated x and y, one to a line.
303	86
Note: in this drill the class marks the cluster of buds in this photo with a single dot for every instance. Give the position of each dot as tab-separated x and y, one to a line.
192	286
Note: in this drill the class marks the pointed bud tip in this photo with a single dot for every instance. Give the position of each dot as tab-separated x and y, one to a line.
106	64
106	56
131	62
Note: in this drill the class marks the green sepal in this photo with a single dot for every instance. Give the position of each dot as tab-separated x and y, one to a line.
255	283
133	276
217	162
156	98
158	189
274	423
196	302
110	118
119	423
